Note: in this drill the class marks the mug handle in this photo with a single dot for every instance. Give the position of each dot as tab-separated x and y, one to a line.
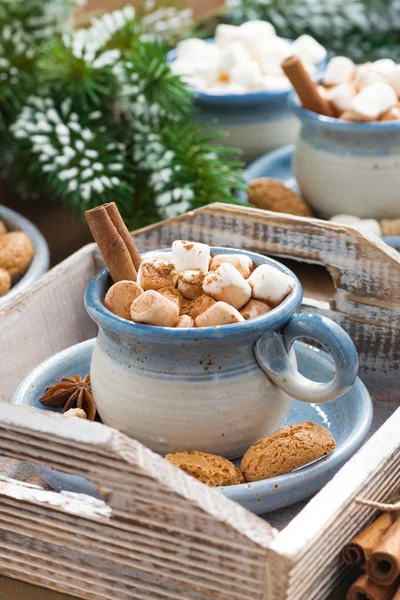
272	354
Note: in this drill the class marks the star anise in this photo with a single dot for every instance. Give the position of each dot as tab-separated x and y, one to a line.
71	392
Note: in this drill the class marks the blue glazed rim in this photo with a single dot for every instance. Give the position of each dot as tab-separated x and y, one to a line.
276	318
337	124
41	260
243	99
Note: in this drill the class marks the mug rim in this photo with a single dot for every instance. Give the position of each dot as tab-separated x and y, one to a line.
333	123
256	97
276	318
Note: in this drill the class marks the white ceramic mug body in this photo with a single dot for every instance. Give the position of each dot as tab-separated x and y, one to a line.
222	414
345	167
213	389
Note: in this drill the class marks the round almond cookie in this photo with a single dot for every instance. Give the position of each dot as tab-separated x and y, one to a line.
210	469
16	253
286	449
5	281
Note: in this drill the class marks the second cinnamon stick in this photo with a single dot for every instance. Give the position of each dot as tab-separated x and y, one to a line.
111	245
306	88
122	229
360	548
364	589
383	567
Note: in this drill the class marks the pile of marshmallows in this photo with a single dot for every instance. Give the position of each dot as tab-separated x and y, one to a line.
368	92
189	288
243	59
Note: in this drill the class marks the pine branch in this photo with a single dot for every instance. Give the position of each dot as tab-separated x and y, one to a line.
75	157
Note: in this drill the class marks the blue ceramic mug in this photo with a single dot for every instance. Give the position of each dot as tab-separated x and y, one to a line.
214	389
347	167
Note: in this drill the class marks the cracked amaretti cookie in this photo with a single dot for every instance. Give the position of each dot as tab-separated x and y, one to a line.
286	449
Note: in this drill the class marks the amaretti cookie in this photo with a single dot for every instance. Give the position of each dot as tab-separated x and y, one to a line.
16	253
210	469
286	449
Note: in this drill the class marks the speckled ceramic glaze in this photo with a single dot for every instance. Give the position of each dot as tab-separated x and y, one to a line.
255	122
348	419
345	167
215	389
40	262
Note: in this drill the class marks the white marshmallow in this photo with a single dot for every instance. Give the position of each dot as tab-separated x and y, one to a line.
270	285
226	34
365	76
276	51
352	115
194	81
182	66
200	305
191	48
154	274
388	96
339	70
220	313
370	225
241	262
258	28
345	219
276	83
253	309
342	96
152	308
233	88
374	99
384	66
310	68
309	50
165	256
184	322
394	80
190	255
255	35
207	70
190	283
366	224
232	55
247	74
226	284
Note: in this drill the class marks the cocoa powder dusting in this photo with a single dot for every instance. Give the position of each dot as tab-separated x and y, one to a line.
196	307
188	245
172	294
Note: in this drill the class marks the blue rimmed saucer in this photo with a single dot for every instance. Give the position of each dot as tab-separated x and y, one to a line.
279	165
348	419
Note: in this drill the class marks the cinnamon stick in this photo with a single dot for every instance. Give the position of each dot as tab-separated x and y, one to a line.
383	567
360	548
306	88
397	594
122	229
111	245
364	589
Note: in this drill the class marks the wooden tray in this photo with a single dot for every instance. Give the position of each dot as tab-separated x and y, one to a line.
158	534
